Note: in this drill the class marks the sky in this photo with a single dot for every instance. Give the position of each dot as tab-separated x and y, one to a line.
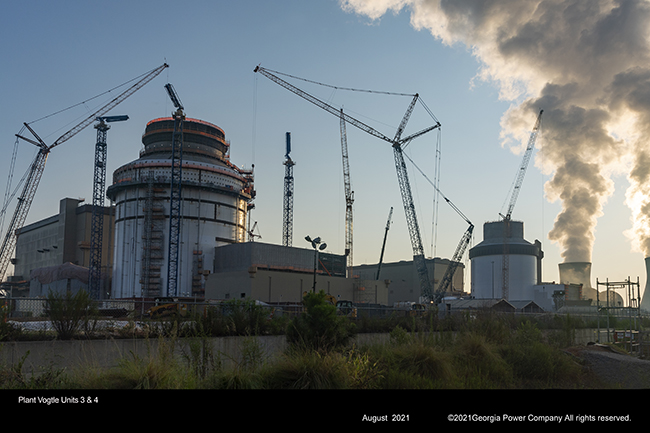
484	69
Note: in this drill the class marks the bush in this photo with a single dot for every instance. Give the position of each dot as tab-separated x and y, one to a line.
319	328
307	370
70	313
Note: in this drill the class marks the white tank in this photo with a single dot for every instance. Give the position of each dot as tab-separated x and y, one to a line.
215	199
524	260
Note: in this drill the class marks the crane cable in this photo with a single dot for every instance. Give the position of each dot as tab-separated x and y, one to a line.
341	88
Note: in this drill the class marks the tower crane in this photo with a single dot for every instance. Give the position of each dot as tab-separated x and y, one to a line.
397	143
35	171
175	198
287	210
99	191
519	179
383	245
349	196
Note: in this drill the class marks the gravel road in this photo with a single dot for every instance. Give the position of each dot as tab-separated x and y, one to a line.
615	370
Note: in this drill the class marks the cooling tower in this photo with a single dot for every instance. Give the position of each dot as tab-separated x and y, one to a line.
645	296
215	199
576	273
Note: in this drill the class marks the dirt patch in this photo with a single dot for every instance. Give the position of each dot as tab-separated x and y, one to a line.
613	369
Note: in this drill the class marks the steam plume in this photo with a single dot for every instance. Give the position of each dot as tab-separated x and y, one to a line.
584	62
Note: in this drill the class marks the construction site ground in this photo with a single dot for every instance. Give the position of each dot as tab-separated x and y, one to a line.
611	368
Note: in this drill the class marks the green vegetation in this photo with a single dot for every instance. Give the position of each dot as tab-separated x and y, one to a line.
486	351
71	313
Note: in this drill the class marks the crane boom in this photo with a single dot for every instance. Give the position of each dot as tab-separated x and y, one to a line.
519	179
402	175
446	281
349	197
524	165
383	245
335	111
38	165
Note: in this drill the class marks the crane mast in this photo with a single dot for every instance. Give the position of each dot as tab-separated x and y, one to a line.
175	199
402	175
97	218
287	211
38	165
349	196
519	179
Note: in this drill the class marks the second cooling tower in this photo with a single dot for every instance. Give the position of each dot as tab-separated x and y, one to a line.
215	199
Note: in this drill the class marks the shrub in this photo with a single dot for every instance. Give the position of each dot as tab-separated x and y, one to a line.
69	313
319	327
481	363
307	370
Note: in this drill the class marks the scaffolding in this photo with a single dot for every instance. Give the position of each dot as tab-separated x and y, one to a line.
622	321
152	239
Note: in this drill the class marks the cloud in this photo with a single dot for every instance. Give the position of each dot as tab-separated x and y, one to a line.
584	63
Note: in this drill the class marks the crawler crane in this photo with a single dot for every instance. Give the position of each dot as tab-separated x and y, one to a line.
35	171
397	143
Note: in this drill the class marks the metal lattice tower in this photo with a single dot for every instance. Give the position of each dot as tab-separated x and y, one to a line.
398	142
33	177
287	225
99	193
175	200
349	196
97	219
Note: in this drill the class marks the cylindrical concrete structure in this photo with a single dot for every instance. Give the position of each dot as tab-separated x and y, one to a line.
576	273
487	262
645	296
216	196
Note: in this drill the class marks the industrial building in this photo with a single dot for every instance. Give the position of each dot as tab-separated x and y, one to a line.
279	274
216	196
404	283
60	239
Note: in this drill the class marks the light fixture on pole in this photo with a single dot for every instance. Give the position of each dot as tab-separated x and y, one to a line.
316	245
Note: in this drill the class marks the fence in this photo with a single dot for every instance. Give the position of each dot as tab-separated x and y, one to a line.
32	312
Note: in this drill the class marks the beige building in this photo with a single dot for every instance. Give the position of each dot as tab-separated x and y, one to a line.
404	280
59	239
278	274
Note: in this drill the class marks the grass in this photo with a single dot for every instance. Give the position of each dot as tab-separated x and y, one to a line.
478	357
481	351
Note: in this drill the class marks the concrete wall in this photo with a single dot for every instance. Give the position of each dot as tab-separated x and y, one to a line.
73	355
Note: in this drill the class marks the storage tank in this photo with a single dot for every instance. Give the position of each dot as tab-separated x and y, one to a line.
216	196
524	262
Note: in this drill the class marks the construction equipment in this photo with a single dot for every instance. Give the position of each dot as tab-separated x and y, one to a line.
397	142
99	194
383	245
251	233
164	307
447	278
35	171
349	197
175	197
287	211
519	179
